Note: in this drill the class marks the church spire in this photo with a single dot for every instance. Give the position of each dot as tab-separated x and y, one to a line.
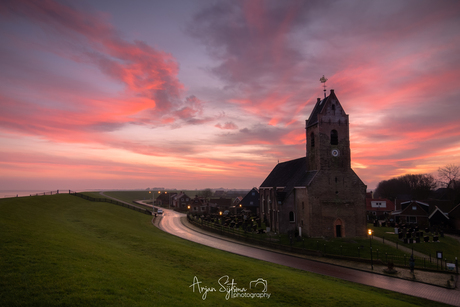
323	81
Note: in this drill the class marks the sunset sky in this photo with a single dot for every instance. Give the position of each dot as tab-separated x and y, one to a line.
208	94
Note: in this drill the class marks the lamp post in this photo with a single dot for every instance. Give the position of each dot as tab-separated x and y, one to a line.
370	243
369	231
153	207
169	200
153	200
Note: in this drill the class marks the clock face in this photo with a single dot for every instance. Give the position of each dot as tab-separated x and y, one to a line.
335	152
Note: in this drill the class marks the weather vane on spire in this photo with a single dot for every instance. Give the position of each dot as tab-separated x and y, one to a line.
323	81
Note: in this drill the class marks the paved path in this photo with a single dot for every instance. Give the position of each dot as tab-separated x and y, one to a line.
403	248
171	222
129	204
453	237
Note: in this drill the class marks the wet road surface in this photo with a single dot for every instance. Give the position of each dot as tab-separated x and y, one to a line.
171	223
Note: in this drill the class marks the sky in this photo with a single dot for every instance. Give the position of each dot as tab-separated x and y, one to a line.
208	94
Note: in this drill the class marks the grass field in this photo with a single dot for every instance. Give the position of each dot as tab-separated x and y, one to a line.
63	250
449	246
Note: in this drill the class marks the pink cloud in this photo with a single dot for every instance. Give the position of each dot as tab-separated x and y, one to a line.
149	76
69	75
227	126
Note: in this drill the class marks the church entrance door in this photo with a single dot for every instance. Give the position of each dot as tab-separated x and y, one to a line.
338	231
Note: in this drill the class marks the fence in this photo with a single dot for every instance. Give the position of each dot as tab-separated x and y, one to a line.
112	201
25	193
320	248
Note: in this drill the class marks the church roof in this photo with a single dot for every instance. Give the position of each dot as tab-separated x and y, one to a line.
319	108
314	114
251	199
289	174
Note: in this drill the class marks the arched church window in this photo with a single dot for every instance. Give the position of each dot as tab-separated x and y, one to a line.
333	108
312	138
291	217
334	137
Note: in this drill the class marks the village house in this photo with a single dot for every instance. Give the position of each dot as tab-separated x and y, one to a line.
424	213
236	201
378	208
198	205
250	201
163	199
221	204
236	207
454	217
180	201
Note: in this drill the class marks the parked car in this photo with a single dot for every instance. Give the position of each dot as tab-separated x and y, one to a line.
160	211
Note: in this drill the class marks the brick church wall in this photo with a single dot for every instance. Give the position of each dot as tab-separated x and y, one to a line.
330	200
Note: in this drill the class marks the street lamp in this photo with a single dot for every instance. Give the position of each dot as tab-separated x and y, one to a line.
153	200
369	231
153	207
169	200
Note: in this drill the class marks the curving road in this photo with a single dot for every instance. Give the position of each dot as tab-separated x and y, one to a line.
171	223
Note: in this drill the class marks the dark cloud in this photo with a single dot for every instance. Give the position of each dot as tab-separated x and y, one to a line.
256	134
274	50
258	58
250	38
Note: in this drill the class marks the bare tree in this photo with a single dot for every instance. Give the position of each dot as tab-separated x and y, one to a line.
390	189
206	194
449	175
420	185
416	186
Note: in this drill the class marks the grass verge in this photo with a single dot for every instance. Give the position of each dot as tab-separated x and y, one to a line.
63	250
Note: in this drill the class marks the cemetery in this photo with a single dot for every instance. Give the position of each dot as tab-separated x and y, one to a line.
394	246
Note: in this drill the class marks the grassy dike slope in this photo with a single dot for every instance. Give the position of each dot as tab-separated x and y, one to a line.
63	250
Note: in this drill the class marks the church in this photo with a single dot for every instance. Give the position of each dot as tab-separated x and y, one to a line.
318	195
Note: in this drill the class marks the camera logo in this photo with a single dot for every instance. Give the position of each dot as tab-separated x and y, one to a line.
258	282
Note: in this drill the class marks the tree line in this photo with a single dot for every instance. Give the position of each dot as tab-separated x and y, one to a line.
421	186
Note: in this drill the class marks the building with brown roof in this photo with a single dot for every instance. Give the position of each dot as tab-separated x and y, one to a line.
379	208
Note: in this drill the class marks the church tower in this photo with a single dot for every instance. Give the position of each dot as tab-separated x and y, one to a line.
328	136
317	195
